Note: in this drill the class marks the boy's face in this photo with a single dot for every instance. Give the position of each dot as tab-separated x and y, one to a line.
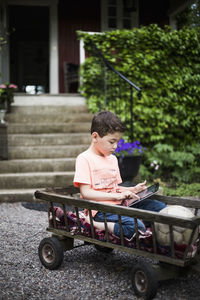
106	145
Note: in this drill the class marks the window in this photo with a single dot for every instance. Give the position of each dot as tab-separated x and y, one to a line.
119	14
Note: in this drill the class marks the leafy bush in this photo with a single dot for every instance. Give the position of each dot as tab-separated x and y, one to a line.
192	189
172	166
166	65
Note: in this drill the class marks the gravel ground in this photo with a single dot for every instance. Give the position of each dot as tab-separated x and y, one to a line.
85	273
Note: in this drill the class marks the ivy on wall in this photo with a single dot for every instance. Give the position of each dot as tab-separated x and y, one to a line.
165	64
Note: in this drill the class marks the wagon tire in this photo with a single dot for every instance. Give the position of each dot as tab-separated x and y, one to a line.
50	253
103	249
144	280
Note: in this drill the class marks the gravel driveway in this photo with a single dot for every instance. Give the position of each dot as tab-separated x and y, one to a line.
84	274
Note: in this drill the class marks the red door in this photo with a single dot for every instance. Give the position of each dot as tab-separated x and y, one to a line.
74	15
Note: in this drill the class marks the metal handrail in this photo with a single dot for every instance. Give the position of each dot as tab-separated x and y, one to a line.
98	53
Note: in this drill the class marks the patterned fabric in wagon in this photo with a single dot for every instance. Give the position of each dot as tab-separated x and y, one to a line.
145	238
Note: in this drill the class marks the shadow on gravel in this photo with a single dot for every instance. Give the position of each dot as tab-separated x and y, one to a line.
35	206
41	206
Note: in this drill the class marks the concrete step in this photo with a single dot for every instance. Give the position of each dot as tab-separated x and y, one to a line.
37	165
45	151
17	195
76	127
42	118
48	99
45	135
20	195
48	139
48	109
35	180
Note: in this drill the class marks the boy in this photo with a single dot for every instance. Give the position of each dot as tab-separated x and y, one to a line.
97	175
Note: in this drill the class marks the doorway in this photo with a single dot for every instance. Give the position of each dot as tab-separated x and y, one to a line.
29	48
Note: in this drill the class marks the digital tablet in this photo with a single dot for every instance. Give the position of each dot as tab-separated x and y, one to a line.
151	190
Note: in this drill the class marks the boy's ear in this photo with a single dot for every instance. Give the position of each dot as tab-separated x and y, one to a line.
95	135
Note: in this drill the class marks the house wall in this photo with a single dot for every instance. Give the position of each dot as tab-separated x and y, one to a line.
154	12
176	6
75	15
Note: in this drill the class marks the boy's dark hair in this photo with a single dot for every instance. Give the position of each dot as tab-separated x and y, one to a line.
106	122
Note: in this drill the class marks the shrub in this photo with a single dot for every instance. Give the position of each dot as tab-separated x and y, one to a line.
166	65
173	166
192	189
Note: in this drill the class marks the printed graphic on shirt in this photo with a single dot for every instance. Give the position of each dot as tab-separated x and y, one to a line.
105	179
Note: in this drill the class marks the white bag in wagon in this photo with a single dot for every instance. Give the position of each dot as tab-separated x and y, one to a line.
181	234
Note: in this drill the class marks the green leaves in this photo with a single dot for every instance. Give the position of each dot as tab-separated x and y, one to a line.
175	166
165	64
192	189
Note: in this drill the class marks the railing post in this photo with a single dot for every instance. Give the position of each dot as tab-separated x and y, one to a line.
105	87
131	103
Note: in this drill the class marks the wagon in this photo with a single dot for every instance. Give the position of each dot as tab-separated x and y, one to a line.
66	222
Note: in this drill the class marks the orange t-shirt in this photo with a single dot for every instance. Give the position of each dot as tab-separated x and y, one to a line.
101	173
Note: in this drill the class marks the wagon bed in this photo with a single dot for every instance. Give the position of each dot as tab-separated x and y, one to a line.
66	223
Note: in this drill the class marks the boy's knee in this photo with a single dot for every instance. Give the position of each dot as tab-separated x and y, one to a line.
159	205
141	226
154	205
130	229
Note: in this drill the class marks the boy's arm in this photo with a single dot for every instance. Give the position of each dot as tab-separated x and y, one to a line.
88	193
134	189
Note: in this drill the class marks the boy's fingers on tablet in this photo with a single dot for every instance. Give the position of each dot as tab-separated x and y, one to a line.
134	196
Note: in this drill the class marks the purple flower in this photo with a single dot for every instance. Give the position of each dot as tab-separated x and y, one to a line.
129	149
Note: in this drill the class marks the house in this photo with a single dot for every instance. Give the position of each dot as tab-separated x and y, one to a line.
42	53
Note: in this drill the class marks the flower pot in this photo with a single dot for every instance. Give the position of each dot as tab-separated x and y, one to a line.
7	96
129	167
2	115
8	106
4	102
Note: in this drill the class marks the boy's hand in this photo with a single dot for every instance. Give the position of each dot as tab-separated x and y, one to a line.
139	187
127	195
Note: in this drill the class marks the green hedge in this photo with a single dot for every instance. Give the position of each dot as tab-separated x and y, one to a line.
165	64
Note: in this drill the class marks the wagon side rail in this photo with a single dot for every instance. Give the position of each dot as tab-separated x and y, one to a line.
187	202
76	203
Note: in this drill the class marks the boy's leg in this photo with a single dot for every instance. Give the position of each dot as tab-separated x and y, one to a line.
128	224
101	225
151	204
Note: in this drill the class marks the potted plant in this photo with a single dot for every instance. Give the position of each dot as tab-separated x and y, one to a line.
2	107
129	158
7	95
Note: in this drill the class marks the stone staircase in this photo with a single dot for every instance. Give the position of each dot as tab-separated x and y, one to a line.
45	134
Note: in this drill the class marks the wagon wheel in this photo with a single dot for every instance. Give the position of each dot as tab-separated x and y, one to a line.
104	249
50	253
144	280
